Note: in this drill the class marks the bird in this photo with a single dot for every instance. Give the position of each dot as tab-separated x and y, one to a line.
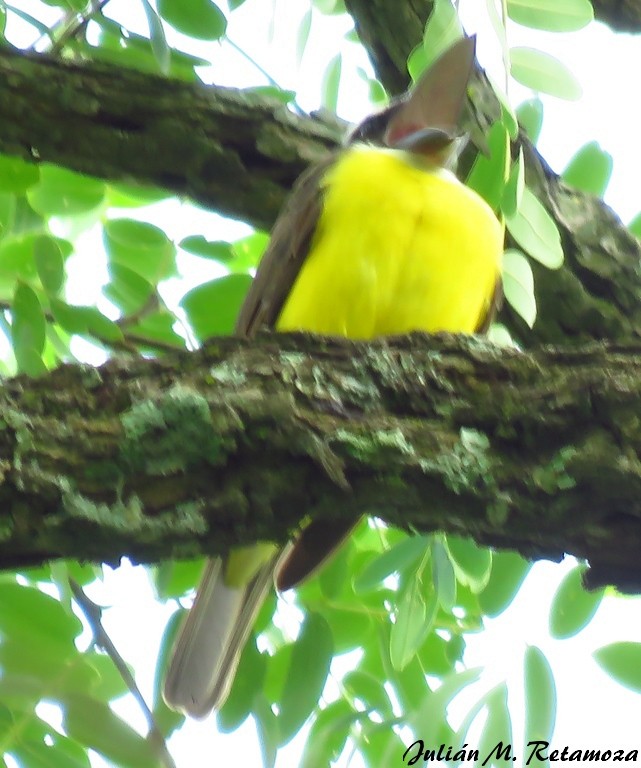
380	238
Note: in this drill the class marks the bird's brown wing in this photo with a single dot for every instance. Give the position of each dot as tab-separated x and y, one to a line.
493	308
286	252
289	245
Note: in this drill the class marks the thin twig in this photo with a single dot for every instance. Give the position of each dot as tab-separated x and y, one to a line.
129	342
93	614
76	26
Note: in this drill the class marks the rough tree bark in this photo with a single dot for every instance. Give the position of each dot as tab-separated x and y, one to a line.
197	451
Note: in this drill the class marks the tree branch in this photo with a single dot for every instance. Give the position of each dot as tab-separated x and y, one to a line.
240	153
620	15
93	614
233	151
238	442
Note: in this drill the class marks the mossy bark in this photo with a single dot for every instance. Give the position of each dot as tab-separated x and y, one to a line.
190	454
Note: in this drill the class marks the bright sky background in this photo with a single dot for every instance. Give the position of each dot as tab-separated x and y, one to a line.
593	711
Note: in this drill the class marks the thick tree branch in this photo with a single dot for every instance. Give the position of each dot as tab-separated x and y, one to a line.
620	15
232	151
238	442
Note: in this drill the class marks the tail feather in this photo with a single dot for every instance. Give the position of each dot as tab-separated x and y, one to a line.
209	644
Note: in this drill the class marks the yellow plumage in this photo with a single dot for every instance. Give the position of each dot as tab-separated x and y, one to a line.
400	246
425	258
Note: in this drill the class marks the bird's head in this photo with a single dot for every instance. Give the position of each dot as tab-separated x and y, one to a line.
424	121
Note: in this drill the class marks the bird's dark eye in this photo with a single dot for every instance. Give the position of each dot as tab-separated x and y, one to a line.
372	129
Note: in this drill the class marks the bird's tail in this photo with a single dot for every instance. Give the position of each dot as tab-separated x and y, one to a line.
211	639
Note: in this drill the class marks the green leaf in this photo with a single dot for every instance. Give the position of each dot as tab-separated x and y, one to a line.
133	195
540	696
530	117
48	749
248	251
542	72
43	29
108	683
29	675
413	621
622	661
166	719
308	669
401	558
267	725
634	226
508	572
173	578
551	15
589	170
218	250
136	51
417	62
85	321
158	40
93	724
472	562
28	327
334	576
328	734
302	36
443	28
379	745
518	285
201	19
443	576
536	232
508	115
513	192
62	753
487	176
331	83
498	725
16	257
351	627
277	665
437	655
157	327
37	622
573	606
247	683
281	95
16	175
329	6
49	263
212	307
64	193
428	717
127	289
141	247
369	690
7	213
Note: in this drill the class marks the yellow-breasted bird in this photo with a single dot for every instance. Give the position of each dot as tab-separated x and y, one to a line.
379	239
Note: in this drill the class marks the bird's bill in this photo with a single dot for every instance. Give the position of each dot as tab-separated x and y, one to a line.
430	112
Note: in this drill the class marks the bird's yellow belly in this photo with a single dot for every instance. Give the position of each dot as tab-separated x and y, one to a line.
397	248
